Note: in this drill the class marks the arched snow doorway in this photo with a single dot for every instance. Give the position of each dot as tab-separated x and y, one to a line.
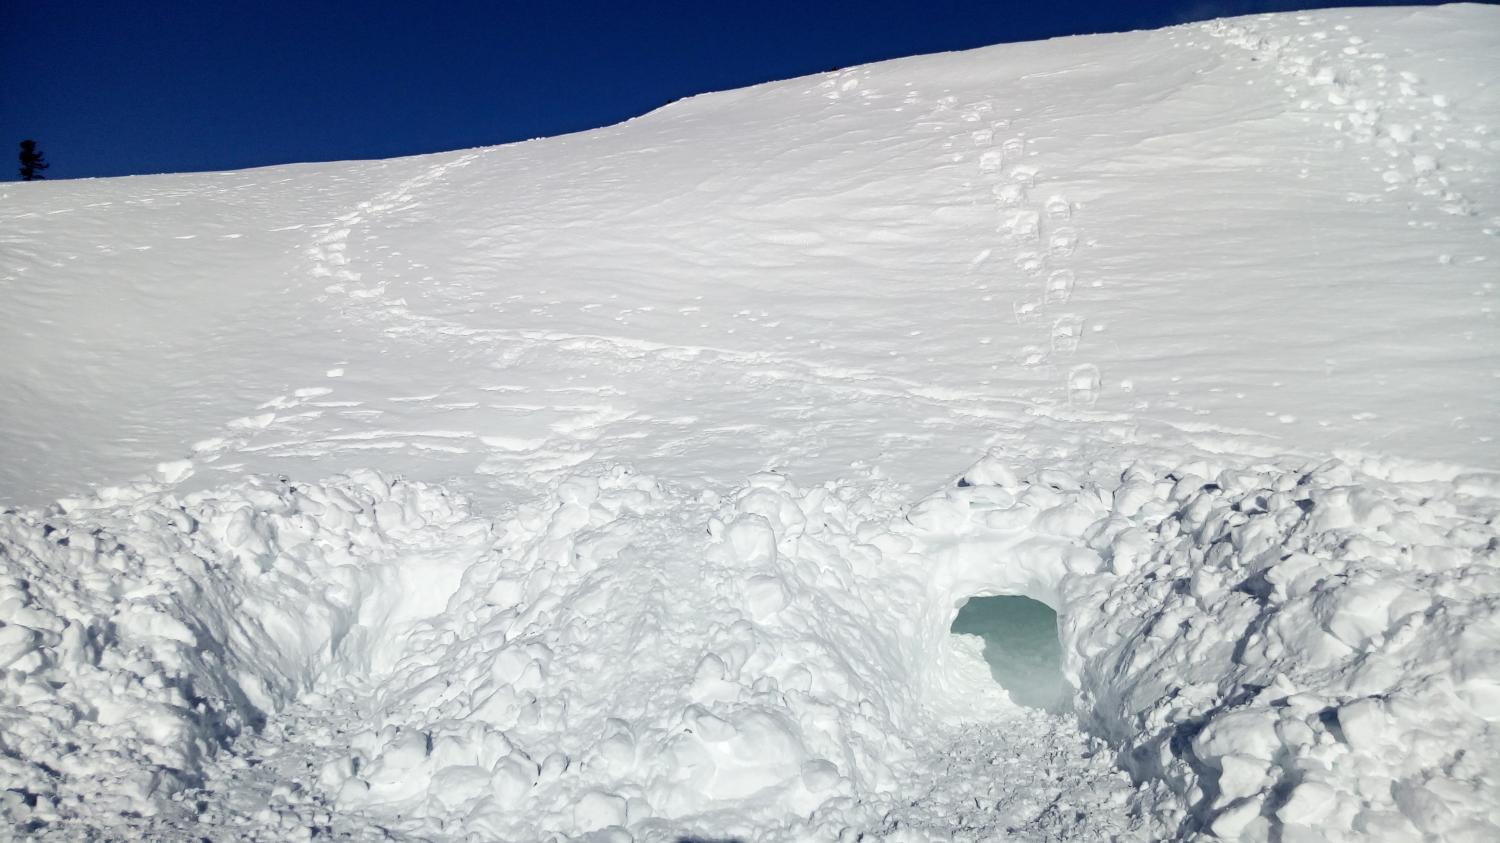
1021	647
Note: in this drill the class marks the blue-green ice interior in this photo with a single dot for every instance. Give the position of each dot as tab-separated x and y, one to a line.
1021	646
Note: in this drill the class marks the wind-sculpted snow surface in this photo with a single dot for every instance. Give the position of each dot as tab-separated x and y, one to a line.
583	489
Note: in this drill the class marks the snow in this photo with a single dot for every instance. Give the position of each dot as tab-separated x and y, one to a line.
1021	646
627	485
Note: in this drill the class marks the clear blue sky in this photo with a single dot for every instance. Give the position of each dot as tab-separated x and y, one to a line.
110	87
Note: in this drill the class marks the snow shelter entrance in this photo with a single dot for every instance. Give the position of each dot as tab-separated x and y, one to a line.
1021	646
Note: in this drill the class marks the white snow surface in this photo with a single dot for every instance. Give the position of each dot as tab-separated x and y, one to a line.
625	485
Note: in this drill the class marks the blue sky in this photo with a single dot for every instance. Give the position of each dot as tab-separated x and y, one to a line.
116	88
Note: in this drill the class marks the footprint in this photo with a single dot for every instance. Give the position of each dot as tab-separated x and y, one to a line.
1025	226
1026	311
1062	242
1014	148
1066	333
1030	263
1060	286
1059	208
990	160
1010	195
1083	385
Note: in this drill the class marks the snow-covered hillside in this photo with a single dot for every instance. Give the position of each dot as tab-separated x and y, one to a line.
626	485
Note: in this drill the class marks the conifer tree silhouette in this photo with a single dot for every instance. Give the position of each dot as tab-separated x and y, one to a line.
32	164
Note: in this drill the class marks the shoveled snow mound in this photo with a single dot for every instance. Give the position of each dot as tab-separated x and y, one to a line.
1268	652
583	488
144	638
1306	653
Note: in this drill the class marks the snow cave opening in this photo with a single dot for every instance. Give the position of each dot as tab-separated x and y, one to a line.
1022	647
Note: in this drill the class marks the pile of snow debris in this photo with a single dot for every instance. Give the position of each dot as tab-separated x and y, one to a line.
1302	654
141	638
583	489
1269	652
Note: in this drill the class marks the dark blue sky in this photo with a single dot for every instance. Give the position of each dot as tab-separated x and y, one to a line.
111	88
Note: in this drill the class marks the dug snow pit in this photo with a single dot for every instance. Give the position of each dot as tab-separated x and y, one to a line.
1021	647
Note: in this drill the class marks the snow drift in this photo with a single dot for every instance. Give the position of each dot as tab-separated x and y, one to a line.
614	486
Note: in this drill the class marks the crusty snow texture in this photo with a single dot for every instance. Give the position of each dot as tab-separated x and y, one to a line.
613	487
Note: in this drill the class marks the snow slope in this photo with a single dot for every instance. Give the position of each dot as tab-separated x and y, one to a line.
625	485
